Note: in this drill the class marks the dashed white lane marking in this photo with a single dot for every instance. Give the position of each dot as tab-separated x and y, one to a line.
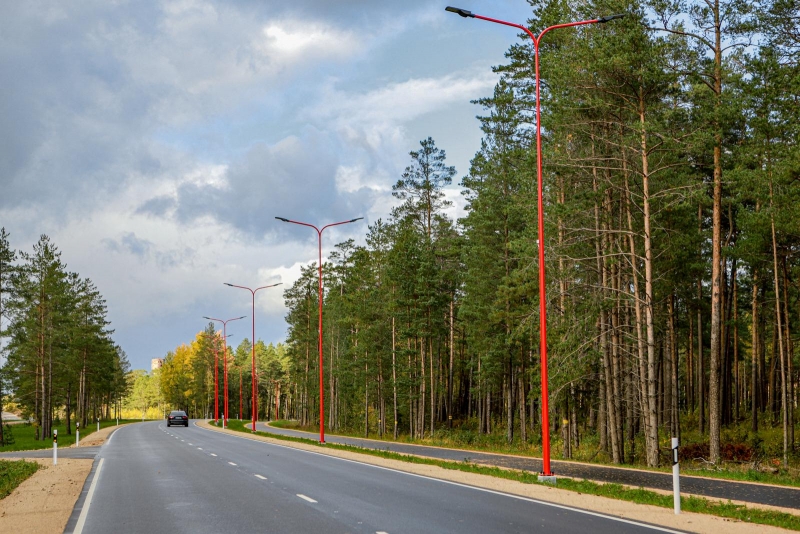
88	502
231	463
183	440
262	478
199	448
309	499
484	490
212	454
381	532
191	444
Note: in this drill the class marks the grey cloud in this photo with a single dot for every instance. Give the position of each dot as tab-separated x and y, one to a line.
294	178
130	243
157	206
147	250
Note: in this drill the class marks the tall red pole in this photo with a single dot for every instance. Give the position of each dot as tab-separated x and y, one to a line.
225	362
321	373
540	206
214	340
253	357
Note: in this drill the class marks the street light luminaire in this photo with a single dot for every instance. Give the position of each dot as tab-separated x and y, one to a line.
457	10
608	18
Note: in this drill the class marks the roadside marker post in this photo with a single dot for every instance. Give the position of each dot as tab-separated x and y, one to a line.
55	447
77	434
98	424
676	482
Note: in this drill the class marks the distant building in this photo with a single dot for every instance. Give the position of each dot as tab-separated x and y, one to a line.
156	363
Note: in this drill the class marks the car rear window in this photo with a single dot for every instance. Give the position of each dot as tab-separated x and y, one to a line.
177	413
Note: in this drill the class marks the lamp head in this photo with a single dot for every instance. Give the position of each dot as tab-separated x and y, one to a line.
227	284
282	219
457	10
608	18
354	220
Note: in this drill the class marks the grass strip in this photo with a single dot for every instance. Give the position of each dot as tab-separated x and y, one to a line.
14	473
25	435
778	477
613	491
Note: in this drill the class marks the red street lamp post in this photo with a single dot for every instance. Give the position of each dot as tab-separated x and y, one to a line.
240	393
255	381
216	377
321	375
225	362
542	302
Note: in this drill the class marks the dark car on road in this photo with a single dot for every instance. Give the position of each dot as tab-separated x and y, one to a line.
177	417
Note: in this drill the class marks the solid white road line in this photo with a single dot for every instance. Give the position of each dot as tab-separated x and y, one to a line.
262	478
231	463
88	501
309	499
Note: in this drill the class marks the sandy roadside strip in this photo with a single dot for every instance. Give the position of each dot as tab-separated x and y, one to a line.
44	502
636	512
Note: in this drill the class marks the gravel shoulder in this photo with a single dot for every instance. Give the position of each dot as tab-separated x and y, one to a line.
44	502
647	514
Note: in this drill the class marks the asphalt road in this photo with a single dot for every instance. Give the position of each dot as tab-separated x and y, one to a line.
151	479
787	497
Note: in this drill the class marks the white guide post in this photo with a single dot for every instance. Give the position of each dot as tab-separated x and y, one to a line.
77	434
55	447
676	482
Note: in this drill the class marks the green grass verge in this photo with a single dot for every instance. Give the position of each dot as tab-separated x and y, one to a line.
24	435
466	440
612	491
14	473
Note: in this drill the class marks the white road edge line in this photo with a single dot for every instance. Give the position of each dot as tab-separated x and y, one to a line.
262	478
88	501
309	499
519	497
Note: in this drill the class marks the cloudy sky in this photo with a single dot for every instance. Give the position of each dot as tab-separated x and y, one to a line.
155	142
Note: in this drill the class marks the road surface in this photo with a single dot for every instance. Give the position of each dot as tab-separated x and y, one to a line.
153	479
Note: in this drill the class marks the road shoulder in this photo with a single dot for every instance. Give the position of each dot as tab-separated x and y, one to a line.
644	513
44	502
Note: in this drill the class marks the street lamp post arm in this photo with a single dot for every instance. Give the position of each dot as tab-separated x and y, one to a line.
338	223
298	222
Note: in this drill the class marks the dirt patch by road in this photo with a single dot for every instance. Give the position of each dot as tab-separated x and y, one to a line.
44	502
637	512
